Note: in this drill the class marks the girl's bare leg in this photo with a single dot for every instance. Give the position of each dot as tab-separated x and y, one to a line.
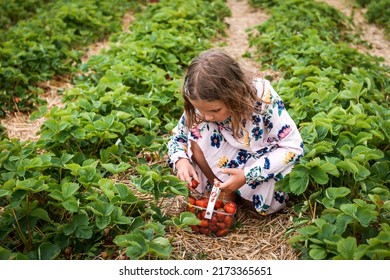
199	158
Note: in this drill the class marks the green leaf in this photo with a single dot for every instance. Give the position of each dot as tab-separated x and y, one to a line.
108	188
308	230
161	247
334	193
118	217
179	189
365	216
83	232
348	165
353	92
4	192
362	173
330	168
349	209
318	253
71	204
31	185
57	195
111	79
347	247
78	220
299	180
102	221
319	175
69	189
48	251
116	168
41	214
187	218
135	243
126	194
149	112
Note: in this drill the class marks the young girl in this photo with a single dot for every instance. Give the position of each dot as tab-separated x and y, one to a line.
234	129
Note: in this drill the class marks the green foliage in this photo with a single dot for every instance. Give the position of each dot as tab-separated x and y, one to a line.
49	43
337	97
378	12
60	195
55	203
12	11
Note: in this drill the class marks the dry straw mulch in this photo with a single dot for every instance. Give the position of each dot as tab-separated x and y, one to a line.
256	238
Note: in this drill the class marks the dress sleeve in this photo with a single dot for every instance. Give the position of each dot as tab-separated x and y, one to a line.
284	144
178	143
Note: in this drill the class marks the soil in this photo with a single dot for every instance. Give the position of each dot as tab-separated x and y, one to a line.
258	237
18	125
378	44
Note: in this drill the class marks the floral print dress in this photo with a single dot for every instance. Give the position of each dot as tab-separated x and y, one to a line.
270	146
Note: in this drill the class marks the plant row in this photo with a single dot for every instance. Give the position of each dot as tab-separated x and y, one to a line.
339	99
50	43
377	12
64	196
12	11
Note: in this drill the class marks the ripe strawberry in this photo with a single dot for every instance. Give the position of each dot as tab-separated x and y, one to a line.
195	229
194	183
221	225
202	202
204	230
191	200
213	221
214	229
218	204
201	214
221	215
228	221
230	207
222	232
148	157
204	223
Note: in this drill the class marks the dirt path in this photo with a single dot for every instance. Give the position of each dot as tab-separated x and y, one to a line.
257	237
243	17
20	126
380	46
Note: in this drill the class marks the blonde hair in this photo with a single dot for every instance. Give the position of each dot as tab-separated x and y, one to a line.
215	76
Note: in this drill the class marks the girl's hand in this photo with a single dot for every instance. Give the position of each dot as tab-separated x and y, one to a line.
185	171
236	180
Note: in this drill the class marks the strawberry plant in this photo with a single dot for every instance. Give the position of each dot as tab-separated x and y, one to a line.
36	49
61	195
338	98
13	11
377	12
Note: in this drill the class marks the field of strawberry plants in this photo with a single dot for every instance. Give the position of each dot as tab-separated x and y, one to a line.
79	191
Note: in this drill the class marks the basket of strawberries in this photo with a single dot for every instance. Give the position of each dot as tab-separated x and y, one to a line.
216	215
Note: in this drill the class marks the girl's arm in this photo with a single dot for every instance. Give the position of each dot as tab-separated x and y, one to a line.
285	143
178	157
178	143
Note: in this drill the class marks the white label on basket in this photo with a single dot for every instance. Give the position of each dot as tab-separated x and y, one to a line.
213	198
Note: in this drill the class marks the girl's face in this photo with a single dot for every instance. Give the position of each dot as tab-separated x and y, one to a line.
211	111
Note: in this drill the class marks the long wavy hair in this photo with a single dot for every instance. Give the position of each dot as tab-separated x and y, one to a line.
215	76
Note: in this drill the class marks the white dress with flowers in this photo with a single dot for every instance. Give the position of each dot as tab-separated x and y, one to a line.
271	145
